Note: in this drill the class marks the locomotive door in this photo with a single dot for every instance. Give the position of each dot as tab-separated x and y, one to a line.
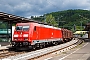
35	33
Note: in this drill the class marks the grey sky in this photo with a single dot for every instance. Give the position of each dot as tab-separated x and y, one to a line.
27	8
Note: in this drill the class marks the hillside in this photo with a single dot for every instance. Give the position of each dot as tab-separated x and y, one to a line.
70	19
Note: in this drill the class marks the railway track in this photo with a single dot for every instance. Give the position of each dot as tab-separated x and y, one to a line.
7	53
41	52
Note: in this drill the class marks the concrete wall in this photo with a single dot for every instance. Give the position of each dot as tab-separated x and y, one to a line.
13	27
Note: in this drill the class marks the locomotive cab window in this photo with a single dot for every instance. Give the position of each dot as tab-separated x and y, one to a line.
18	27
24	28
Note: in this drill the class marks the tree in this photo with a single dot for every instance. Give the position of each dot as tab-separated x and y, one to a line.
49	19
3	25
70	17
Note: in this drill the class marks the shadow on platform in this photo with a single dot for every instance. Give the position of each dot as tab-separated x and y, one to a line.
86	40
88	58
4	43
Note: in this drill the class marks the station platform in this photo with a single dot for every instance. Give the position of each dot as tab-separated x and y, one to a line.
4	45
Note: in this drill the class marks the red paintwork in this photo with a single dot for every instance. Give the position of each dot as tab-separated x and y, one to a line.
40	32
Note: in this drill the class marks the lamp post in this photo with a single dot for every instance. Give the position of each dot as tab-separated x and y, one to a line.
81	25
81	21
45	17
74	27
60	21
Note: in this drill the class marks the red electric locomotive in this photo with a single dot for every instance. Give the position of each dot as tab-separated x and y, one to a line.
38	35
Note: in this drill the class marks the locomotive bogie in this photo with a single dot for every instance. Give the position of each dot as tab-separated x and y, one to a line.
21	44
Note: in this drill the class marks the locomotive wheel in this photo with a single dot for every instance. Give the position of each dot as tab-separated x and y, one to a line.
65	40
34	47
47	44
44	45
55	43
41	45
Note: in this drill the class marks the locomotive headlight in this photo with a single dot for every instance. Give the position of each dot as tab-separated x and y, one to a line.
15	35
26	39
15	39
25	35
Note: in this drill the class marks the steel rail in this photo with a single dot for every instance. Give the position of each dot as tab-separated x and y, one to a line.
44	51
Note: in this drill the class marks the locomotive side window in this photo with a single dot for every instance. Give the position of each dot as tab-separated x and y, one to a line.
25	28
35	28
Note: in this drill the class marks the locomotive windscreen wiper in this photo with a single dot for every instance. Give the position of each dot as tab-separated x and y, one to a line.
24	28
18	27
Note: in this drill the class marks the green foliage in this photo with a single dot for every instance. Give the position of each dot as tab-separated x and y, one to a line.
3	25
50	20
68	18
